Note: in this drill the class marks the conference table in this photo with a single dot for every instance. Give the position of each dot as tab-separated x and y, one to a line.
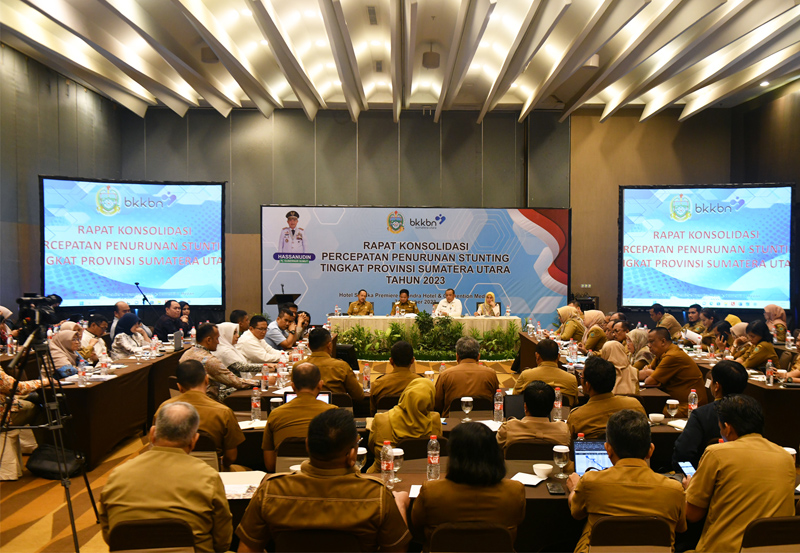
383	323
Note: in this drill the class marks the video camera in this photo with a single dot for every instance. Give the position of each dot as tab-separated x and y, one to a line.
36	310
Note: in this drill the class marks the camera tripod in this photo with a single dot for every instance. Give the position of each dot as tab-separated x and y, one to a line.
56	413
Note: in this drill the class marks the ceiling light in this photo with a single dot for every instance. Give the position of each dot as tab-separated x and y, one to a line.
251	46
475	67
425	84
514	85
246	12
310	13
376	42
337	83
764	83
232	17
264	42
321	43
330	65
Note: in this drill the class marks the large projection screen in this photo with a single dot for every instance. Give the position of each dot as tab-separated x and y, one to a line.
519	254
719	246
101	237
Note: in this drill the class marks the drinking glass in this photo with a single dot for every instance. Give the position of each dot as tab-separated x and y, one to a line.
361	458
402	312
672	407
398	462
146	353
137	352
274	403
466	406
560	458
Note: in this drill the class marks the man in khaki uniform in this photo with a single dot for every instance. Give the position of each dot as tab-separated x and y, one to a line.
665	320
292	420
404	304
167	482
599	377
741	480
674	371
216	419
361	307
393	383
337	376
535	426
547	370
468	378
629	487
693	316
327	493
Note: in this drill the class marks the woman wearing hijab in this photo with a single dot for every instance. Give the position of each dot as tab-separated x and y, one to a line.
571	324
186	310
87	352
489	307
227	353
627	375
641	356
64	348
129	337
741	346
776	321
595	335
412	417
5	328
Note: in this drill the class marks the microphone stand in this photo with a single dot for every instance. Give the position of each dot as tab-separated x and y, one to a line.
147	301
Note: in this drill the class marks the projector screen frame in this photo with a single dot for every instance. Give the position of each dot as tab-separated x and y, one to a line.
223	198
793	250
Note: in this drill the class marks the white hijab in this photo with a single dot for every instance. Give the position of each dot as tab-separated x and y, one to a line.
627	375
226	351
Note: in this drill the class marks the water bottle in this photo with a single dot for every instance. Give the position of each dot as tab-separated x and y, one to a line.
255	405
508	311
538	328
581	437
774	336
192	335
264	378
49	333
434	470
692	400
10	346
387	464
711	349
529	329
336	310
770	373
397	311
727	354
365	373
442	367
498	406
82	374
557	406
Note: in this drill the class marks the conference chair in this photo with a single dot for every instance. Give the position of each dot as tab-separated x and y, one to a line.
313	540
387	402
470	536
634	534
529	451
478	404
164	534
206	450
772	535
173	386
293	447
342	401
417	448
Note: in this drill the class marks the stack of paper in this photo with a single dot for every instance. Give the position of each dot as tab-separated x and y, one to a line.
680	424
527	479
494	426
246	425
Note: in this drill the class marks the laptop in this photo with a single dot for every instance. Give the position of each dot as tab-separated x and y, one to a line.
514	406
323	396
590	454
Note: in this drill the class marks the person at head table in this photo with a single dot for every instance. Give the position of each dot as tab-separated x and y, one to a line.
450	305
489	307
404	304
361	307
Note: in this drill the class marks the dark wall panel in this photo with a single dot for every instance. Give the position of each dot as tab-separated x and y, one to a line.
8	145
48	112
132	146
209	138
165	146
378	179
462	159
251	170
67	127
548	160
294	167
336	155
420	160
502	156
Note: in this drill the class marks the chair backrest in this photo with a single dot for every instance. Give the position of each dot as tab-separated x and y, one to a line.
478	404
342	401
206	450
205	442
387	402
417	448
529	451
313	540
631	535
347	353
292	447
161	533
772	535
470	536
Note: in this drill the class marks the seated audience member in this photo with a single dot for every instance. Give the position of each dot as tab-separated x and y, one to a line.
450	305
535	426
775	317
229	354
393	383
216	419
23	411
595	335
761	350
619	332
693	319
337	376
186	311
120	309
548	371
283	333
129	337
708	318
291	420
468	378
361	307
571	324
673	371
6	329
743	479
665	320
412	417
404	304
253	346
637	342
612	319
64	349
723	337
576	305
241	318
591	418
629	487
794	371
741	345
92	340
702	428
84	353
327	493
627	382
171	321
222	381
167	482
489	307
474	490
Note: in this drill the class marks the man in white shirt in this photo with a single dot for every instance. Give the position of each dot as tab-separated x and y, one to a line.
450	305
93	337
121	308
253	346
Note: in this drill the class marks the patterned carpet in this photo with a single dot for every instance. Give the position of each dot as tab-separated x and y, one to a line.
34	511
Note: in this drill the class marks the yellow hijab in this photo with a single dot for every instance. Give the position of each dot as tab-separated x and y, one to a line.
413	416
568	313
485	309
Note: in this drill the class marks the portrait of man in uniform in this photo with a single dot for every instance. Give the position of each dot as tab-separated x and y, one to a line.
292	239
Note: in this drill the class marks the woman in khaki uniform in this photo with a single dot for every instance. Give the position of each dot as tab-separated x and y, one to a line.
708	317
740	343
571	324
412	417
776	321
640	353
489	307
723	337
595	335
760	338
